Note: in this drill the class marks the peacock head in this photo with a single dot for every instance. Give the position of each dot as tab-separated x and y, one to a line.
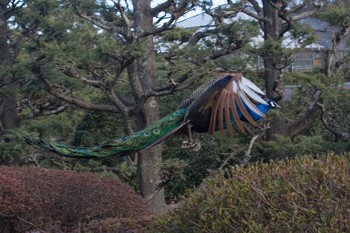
273	104
265	108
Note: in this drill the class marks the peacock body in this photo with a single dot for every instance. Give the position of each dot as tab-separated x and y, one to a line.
216	105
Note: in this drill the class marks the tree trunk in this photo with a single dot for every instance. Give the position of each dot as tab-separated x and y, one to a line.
8	105
148	161
8	113
274	83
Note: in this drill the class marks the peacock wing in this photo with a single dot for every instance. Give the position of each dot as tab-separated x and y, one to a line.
226	102
201	105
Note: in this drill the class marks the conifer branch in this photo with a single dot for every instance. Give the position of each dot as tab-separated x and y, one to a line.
54	90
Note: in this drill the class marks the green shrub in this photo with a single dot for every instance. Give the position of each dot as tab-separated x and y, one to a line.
304	194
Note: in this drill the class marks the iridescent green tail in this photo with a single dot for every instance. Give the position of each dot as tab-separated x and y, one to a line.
155	133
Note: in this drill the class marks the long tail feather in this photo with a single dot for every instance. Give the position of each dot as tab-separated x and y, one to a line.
146	138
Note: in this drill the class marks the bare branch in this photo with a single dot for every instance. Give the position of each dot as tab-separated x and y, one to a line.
52	89
235	8
309	117
272	3
199	35
247	155
128	23
161	18
122	35
305	10
83	104
15	6
176	11
44	112
258	17
72	73
303	15
97	22
162	7
231	157
119	103
2	84
166	26
342	61
338	135
46	108
256	6
173	83
340	35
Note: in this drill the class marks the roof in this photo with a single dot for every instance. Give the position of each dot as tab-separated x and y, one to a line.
324	31
199	20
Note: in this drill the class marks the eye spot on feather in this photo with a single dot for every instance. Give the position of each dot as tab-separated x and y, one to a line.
172	118
176	113
147	134
156	131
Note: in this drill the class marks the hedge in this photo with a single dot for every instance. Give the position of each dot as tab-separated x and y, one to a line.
304	194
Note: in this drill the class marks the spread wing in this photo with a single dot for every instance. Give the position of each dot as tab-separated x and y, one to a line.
229	100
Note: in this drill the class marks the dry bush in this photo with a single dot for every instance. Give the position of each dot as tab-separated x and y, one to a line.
62	201
304	194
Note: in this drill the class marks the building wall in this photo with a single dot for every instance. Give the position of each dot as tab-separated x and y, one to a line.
308	59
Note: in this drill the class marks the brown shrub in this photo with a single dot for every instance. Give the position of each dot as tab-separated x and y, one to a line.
62	201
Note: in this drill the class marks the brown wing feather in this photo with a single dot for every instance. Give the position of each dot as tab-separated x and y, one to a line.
245	112
227	116
216	102
228	100
221	117
235	113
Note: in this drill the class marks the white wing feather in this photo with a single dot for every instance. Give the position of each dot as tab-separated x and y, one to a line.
252	94
252	86
251	90
250	105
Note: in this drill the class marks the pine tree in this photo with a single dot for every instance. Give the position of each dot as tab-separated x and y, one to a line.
84	51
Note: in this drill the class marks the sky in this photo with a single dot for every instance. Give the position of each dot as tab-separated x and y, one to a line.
216	2
191	13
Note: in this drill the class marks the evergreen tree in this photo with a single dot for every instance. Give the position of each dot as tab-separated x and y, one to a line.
9	77
278	20
87	51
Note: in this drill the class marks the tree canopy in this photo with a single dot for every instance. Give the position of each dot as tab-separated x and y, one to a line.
81	72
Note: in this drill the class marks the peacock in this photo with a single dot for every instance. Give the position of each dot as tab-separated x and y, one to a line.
217	105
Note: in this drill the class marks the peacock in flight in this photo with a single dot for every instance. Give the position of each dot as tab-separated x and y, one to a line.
217	105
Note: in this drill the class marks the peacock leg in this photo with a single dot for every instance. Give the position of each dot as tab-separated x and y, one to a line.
193	145
189	126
